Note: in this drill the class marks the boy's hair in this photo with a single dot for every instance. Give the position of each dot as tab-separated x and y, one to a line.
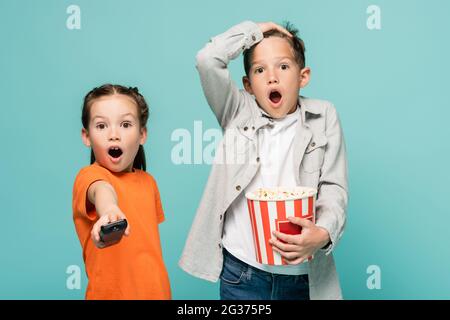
297	44
111	89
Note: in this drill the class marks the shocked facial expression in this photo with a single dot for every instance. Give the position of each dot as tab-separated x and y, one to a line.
275	77
114	132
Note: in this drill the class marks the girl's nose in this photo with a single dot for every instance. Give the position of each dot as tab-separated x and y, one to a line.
114	135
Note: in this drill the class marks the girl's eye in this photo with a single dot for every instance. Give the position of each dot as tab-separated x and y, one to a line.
100	126
126	124
284	67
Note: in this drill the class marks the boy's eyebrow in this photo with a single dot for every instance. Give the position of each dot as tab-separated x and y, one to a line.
277	58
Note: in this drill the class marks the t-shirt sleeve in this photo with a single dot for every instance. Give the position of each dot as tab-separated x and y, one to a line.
159	209
80	202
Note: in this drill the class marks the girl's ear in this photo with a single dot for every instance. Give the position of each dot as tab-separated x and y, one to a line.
247	84
143	137
85	137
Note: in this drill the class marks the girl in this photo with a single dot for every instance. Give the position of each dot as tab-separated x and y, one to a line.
115	186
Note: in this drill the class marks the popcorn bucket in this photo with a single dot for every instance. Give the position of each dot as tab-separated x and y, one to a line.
269	209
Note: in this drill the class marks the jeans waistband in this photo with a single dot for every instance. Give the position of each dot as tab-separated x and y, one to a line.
234	260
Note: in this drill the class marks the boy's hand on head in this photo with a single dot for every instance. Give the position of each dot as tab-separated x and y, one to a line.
300	247
112	215
267	26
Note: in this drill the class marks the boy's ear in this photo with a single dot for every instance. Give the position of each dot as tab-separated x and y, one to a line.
305	75
85	137
143	136
247	84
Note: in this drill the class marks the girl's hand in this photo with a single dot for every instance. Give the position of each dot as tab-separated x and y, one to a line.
111	215
267	26
300	247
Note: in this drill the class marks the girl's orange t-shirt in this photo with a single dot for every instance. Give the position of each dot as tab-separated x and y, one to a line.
133	268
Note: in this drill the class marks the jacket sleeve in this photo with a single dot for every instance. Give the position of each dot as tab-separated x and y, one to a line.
332	196
221	92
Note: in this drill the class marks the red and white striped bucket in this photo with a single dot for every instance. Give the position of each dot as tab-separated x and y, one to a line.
269	208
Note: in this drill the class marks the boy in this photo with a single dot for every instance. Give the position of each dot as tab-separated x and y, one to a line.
286	141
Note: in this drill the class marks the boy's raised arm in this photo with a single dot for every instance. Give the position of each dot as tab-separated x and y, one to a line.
222	94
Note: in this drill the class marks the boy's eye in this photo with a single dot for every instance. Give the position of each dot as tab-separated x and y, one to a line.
100	126
259	70
284	66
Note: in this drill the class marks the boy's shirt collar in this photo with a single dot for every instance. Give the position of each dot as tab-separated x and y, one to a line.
277	125
289	120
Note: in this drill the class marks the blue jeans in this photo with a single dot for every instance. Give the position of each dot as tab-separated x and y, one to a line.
240	281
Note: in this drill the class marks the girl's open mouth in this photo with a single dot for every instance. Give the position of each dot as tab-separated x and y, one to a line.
115	153
275	97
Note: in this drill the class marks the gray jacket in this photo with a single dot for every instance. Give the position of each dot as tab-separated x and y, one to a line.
320	162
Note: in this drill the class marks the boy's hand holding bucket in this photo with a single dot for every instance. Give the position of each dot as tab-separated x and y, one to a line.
298	248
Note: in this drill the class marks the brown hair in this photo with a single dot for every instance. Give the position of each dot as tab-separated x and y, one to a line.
296	43
110	89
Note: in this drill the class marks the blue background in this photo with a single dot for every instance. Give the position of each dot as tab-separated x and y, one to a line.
389	87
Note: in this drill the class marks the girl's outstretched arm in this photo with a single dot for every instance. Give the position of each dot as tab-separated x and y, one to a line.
103	196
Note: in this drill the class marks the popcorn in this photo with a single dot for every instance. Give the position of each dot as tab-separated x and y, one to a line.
280	193
269	209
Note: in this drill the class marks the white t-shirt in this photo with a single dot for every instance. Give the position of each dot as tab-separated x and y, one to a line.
276	153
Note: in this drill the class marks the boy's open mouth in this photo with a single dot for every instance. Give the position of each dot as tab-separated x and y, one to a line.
275	96
115	152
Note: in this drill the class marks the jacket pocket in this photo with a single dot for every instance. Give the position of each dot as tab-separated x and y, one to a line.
313	158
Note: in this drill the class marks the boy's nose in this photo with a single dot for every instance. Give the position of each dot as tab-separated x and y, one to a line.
272	78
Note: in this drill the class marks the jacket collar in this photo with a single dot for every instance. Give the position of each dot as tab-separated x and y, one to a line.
306	106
